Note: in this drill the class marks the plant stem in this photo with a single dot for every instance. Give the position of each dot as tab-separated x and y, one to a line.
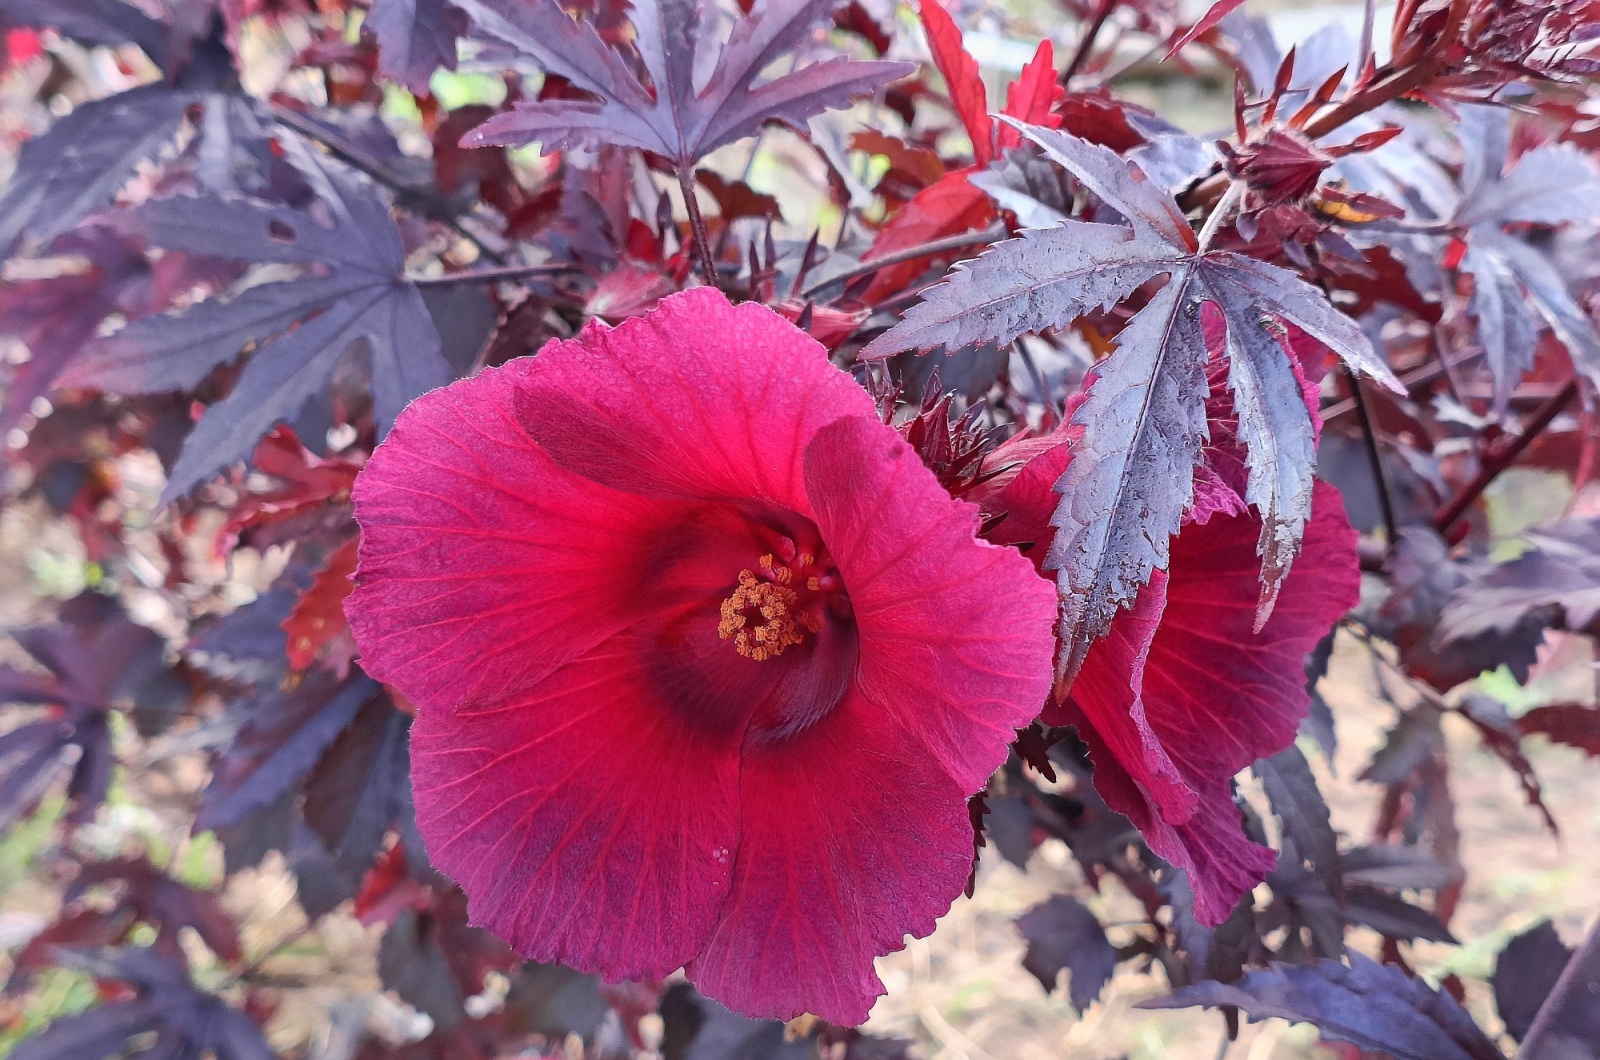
1585	961
1400	82
1502	454
1219	213
505	272
1086	45
1380	473
353	156
706	265
898	257
1369	14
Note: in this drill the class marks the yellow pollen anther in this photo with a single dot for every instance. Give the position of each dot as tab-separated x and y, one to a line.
779	627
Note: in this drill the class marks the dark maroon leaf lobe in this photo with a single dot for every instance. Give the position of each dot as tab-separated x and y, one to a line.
1138	435
415	38
1374	1007
678	120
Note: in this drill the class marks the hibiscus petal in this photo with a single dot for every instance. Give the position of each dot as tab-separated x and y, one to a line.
1169	726
658	405
1219	696
1210	845
955	634
592	822
850	842
484	565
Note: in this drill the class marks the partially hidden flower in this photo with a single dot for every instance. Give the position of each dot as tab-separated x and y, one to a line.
706	663
1182	693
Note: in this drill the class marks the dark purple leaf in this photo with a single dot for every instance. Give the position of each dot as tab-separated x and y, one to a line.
359	297
248	645
80	162
1561	571
415	38
1141	429
1389	914
1525	972
1414	738
1372	1006
93	23
1423	576
1063	934
185	1021
435	960
1515	286
361	787
678	122
1297	803
98	659
282	734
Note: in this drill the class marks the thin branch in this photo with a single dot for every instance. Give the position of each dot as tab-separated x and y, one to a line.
1564	993
1400	82
1410	380
1219	213
353	156
505	272
1380	473
704	262
1086	44
1502	454
899	257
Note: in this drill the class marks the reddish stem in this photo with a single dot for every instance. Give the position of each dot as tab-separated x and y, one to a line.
1086	45
1502	454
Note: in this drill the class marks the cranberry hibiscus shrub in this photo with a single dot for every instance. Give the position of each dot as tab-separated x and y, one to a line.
650	587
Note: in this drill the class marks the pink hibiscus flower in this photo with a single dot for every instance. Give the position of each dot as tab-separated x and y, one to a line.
1183	693
706	662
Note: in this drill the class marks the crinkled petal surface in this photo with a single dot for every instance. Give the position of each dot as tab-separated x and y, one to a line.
1208	696
545	553
954	647
1180	694
856	830
697	399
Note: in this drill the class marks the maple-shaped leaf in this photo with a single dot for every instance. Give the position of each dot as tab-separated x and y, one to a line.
1139	432
1515	285
282	734
1298	804
353	291
177	1019
1374	1007
690	113
97	660
80	162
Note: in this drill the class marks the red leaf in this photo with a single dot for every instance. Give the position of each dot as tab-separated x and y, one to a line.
948	207
1219	11
1569	723
1033	96
316	627
960	70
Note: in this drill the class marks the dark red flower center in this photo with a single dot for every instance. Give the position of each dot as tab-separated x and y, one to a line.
775	605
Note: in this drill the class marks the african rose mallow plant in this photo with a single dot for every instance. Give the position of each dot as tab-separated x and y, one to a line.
706	662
